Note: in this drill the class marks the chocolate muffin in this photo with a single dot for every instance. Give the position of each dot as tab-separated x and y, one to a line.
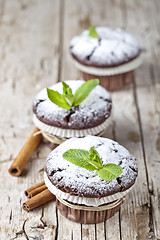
88	118
82	196
111	57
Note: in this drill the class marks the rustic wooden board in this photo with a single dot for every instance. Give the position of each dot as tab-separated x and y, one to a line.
29	61
34	37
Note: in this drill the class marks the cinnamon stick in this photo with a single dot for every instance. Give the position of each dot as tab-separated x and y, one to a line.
38	200
32	191
25	153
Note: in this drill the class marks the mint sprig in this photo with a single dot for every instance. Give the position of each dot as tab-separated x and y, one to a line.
84	90
91	160
79	157
67	99
110	171
58	99
92	32
94	158
67	93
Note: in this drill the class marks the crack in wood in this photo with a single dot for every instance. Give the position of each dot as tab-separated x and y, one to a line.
10	217
151	234
61	31
3	139
57	225
6	160
81	231
37	153
21	232
72	235
151	189
142	221
39	237
124	14
95	229
24	231
43	63
113	130
41	170
120	227
158	143
151	225
41	219
13	85
152	74
141	131
105	234
20	201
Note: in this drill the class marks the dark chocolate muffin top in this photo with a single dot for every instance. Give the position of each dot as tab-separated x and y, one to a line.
78	181
93	111
113	48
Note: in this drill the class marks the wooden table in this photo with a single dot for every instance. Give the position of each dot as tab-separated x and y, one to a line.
34	41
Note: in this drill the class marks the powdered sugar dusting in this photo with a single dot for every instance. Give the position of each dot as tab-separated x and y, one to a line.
94	110
115	47
81	182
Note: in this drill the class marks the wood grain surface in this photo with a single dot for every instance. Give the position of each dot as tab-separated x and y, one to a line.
34	53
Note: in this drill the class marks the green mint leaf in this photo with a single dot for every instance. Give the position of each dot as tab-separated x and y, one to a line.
91	161
69	98
58	99
79	157
66	89
110	171
84	90
92	32
67	92
94	158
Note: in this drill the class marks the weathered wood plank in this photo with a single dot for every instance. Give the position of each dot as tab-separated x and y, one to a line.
67	229
150	131
142	231
70	25
71	28
78	15
148	103
34	38
113	228
127	134
101	11
29	61
89	232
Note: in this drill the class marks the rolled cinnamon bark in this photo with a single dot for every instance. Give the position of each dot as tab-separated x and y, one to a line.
38	200
24	155
32	191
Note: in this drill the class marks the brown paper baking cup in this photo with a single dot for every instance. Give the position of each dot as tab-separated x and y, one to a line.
59	135
114	82
87	216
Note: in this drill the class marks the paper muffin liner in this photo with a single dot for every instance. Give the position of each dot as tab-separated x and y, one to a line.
85	216
126	67
94	202
68	133
113	82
